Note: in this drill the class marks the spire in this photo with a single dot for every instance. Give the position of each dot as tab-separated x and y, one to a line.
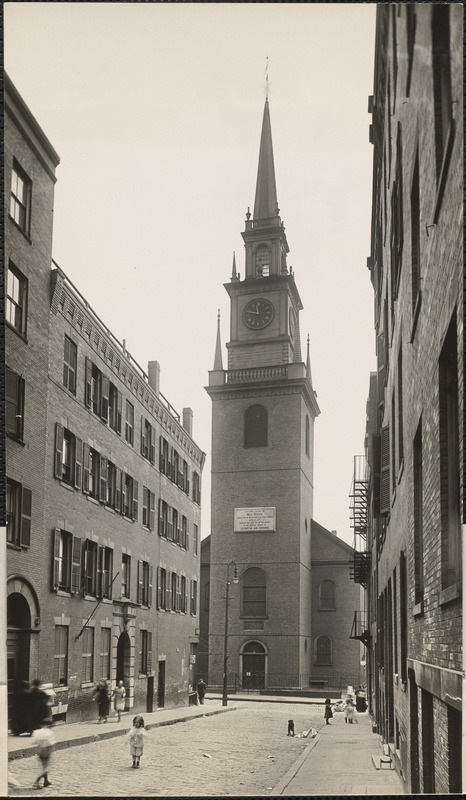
218	363
234	274
308	362
266	204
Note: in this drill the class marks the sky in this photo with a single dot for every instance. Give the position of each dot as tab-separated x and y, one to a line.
155	110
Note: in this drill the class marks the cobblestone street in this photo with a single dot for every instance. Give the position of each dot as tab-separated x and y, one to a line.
243	752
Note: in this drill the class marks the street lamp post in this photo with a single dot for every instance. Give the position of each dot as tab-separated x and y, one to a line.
225	640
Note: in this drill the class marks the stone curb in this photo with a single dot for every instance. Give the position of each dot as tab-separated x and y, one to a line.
283	782
30	751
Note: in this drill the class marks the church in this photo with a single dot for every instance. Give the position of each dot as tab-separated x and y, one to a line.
277	601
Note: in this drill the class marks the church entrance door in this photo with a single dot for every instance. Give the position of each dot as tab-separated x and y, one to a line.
253	676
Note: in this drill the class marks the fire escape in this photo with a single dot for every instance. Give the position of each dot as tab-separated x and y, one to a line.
360	562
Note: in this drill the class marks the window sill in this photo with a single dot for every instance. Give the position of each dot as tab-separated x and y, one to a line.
418	609
59	689
13	546
91	597
20	229
92	499
253	619
110	509
62	593
451	593
16	438
66	485
88	685
15	330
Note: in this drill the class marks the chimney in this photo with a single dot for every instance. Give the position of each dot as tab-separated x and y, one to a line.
188	420
153	374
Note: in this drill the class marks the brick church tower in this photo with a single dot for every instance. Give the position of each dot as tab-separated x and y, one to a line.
263	411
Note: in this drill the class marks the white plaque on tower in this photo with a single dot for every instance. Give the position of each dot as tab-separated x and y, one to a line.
254	520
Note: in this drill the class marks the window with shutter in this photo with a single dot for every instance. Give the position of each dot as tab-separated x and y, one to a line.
105	382
168	592
14	404
76	565
149	653
149	586
385	472
78	457
151	511
88	383
118	482
86	467
135	493
56	558
59	436
103	479
26	511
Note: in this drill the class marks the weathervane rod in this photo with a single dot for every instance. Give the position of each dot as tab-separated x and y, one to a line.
267	79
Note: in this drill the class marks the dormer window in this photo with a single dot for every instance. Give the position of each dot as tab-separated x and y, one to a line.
262	261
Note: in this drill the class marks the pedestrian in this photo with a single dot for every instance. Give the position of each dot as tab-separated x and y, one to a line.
38	707
45	740
201	689
119	693
136	740
102	698
361	705
349	710
328	713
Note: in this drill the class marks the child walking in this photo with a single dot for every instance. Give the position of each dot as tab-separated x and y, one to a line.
136	740
45	740
328	713
349	710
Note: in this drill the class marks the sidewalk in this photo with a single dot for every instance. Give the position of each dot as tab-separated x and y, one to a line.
339	761
76	733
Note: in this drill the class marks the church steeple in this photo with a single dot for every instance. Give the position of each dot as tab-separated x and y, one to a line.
266	204
218	361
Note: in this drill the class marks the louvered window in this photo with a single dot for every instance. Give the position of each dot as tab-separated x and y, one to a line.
255	427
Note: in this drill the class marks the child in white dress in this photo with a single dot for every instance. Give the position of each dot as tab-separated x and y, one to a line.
136	740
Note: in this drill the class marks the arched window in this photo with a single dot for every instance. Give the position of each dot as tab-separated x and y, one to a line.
327	595
262	261
308	436
323	651
255	427
254	594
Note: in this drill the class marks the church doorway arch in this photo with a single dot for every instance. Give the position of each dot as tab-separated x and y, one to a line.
254	659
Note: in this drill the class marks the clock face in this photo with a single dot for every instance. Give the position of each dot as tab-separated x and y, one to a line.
258	313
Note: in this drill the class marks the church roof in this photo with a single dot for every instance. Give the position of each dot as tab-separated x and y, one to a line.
266	204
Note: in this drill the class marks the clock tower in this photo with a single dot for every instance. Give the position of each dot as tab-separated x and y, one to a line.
263	411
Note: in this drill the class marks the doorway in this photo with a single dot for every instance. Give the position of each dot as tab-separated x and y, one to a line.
150	694
123	665
253	676
161	685
18	646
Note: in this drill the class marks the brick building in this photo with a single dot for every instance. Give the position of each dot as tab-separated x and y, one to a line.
410	558
103	478
263	412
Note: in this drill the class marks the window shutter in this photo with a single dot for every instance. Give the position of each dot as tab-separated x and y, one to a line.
100	571
88	384
375	465
59	436
178	593
151	511
159	587
170	523
78	457
26	507
168	592
143	438
119	412
56	557
135	499
172	464
161	460
103	479
160	529
152	445
186	544
118	478
149	588
380	367
139	593
105	396
123	492
76	565
385	472
86	467
149	652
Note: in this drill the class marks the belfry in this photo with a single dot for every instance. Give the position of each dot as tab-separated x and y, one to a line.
263	412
